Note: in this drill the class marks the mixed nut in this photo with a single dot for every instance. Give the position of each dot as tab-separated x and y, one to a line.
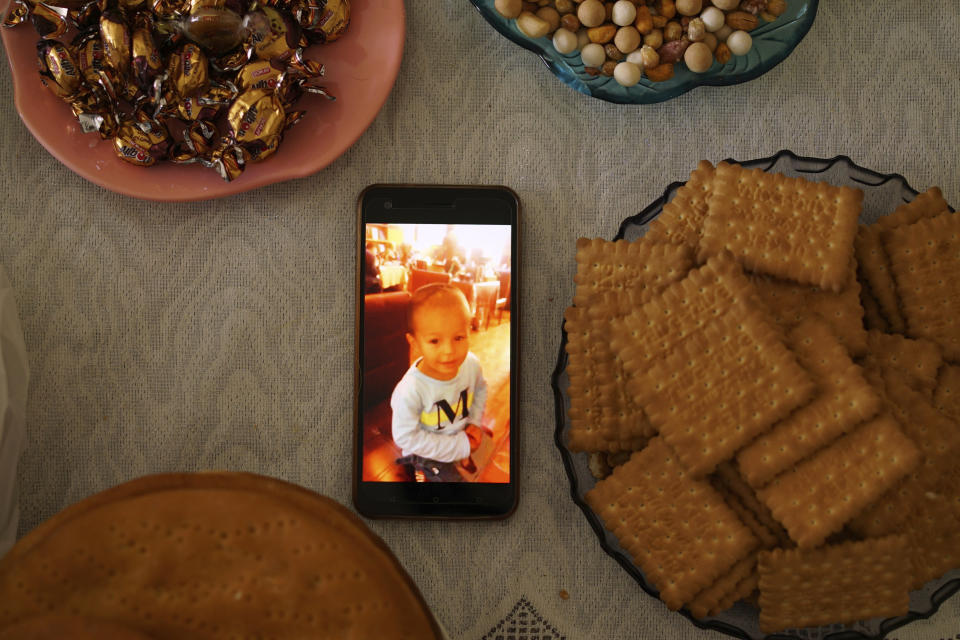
628	39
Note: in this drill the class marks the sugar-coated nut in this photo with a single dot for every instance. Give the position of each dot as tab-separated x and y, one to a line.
636	57
696	30
627	39
689	7
508	8
624	13
593	54
726	5
551	16
564	41
649	57
713	18
627	74
698	57
723	32
591	13
739	43
532	26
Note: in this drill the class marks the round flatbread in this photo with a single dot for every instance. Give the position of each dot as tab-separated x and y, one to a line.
214	555
59	626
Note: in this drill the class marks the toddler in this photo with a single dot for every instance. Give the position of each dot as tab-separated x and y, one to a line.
438	403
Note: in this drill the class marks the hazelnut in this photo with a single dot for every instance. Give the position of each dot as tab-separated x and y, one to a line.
689	7
569	22
627	74
591	13
624	13
698	57
627	39
696	30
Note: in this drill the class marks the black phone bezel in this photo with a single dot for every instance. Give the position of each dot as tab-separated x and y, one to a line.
437	204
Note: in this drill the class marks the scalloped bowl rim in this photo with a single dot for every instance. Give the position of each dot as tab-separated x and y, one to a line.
568	76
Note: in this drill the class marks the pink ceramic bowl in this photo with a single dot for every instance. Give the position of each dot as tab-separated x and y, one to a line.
361	68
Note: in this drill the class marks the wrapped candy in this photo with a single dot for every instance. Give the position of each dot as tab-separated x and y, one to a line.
209	82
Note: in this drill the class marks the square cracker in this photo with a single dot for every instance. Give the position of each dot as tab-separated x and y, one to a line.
790	303
619	266
743	499
818	496
946	396
737	583
708	365
681	221
844	400
794	592
872	318
676	528
938	439
919	359
924	259
790	228
612	279
872	257
602	417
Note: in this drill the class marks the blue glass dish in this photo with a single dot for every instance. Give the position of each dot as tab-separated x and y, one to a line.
882	193
772	43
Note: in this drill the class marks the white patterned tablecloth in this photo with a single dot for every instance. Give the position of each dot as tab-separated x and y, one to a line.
219	335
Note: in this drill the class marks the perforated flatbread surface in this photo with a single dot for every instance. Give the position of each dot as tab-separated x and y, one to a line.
214	556
68	627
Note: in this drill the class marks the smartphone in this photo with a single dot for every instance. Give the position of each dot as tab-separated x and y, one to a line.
437	328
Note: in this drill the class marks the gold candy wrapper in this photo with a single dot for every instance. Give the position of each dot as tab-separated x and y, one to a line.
210	82
188	71
116	41
141	143
59	70
256	121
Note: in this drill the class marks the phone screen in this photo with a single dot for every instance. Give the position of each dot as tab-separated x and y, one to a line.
436	342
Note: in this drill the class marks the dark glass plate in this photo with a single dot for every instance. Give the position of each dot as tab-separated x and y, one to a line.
882	194
772	43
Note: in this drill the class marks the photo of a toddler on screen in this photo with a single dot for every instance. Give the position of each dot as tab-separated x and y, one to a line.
436	392
438	404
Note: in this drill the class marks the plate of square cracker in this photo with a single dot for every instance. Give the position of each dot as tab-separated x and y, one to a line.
758	398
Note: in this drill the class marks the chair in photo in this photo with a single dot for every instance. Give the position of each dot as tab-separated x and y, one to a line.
420	277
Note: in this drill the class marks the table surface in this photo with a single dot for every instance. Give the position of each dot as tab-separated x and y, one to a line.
219	335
